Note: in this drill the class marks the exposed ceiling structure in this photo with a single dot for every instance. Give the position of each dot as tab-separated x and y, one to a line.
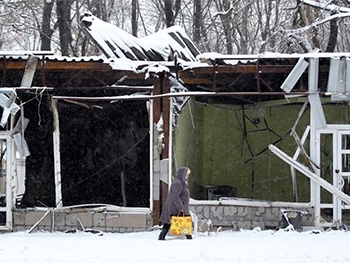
261	76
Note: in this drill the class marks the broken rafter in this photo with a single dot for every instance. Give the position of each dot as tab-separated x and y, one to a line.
311	175
79	103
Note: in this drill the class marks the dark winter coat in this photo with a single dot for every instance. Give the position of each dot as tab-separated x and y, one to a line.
178	197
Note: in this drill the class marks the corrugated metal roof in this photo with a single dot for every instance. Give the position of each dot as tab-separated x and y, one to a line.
165	45
25	54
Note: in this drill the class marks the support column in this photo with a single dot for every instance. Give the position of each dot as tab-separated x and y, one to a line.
161	110
57	155
315	189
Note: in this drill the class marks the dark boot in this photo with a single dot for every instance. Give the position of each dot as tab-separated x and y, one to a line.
164	232
188	236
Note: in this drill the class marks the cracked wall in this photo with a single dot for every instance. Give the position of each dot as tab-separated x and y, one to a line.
227	144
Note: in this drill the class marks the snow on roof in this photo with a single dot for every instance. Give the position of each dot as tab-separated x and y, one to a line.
271	55
164	45
210	58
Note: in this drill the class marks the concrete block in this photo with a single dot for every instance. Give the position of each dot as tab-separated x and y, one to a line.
61	228
60	219
19	229
71	220
126	220
101	228
19	218
86	219
137	229
32	217
149	222
44	228
123	230
112	220
99	220
111	230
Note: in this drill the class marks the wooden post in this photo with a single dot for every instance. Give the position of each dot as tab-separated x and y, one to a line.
156	117
161	109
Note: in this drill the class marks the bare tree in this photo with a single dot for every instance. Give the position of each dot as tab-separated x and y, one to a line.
63	9
171	10
333	35
134	9
225	15
224	26
46	30
264	10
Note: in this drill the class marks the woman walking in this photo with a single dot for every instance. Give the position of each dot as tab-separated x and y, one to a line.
177	201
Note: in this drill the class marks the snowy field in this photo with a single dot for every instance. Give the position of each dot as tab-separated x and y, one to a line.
241	247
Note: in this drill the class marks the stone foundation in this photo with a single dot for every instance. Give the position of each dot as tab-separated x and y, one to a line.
239	214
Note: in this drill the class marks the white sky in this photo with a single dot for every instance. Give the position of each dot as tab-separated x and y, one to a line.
250	246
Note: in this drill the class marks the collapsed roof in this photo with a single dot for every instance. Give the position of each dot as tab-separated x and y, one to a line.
165	45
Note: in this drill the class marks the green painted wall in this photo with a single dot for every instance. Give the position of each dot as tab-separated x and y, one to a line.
228	145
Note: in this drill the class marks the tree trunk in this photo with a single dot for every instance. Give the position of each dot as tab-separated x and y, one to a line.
265	28
226	23
333	35
171	11
46	31
197	21
134	5
63	21
168	11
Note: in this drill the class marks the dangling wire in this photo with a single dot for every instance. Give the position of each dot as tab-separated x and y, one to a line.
39	104
38	96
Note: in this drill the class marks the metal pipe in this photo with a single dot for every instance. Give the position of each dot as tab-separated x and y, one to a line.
182	94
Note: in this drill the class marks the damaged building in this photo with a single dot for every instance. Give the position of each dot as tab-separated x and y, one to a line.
93	142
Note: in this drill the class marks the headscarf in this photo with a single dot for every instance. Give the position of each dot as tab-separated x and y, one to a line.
181	174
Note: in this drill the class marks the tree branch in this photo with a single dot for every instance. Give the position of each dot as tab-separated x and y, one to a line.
317	23
328	7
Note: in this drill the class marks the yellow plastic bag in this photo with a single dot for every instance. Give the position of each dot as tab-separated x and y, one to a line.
180	225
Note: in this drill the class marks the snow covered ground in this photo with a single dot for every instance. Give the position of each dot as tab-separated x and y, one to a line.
241	247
